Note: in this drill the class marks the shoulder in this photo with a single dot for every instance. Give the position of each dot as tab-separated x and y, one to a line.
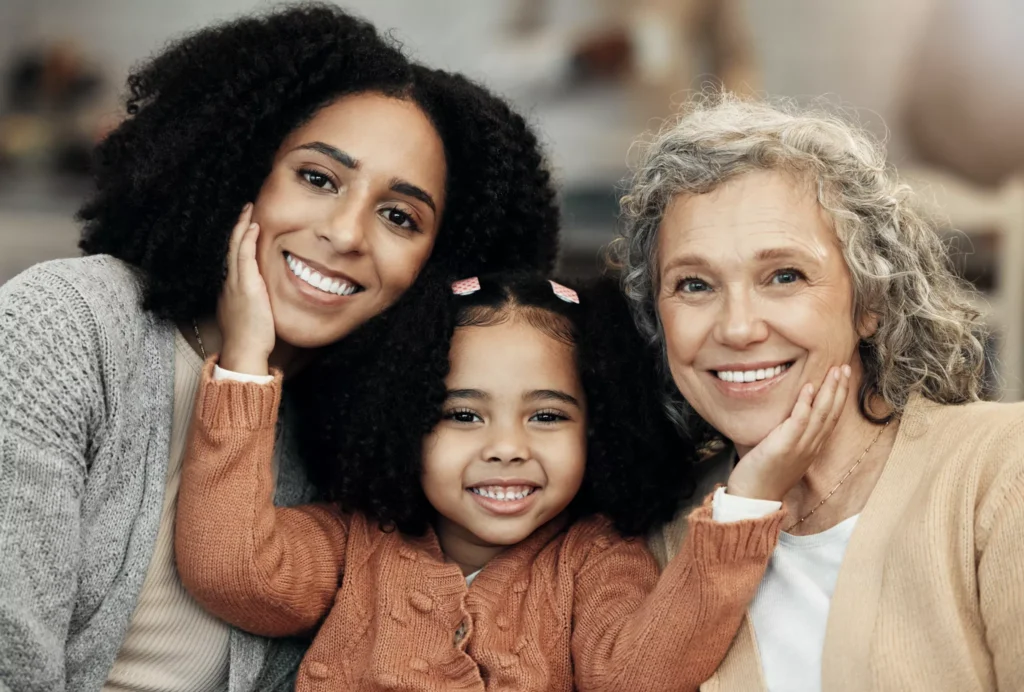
86	304
104	283
981	427
981	444
590	538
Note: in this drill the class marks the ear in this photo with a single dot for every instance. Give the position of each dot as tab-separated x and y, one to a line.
867	324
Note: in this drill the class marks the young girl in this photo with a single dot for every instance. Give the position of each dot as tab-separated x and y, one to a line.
488	557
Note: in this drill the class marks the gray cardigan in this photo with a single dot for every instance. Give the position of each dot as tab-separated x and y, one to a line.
86	395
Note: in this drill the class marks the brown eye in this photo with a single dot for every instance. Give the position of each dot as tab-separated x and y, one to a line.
318	180
397	217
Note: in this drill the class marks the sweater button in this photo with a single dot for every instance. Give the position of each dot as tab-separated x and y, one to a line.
460	633
318	670
421	602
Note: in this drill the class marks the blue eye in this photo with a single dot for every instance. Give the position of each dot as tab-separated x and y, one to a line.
786	276
692	284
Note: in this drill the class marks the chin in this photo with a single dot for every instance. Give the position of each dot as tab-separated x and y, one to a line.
309	333
506	538
749	431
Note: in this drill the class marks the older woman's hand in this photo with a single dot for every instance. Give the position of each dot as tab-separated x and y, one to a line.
770	469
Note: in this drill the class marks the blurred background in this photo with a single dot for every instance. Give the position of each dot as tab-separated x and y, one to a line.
941	80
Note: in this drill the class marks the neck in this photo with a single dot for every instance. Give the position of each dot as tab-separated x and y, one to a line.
463	548
285	357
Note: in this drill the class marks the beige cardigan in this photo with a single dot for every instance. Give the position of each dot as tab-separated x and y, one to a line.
930	596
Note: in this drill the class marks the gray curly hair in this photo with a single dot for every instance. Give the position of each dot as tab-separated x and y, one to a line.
929	335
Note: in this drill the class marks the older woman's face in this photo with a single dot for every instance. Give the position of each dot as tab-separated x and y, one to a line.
756	301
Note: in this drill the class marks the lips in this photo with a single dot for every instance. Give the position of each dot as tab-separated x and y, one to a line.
758	373
320	279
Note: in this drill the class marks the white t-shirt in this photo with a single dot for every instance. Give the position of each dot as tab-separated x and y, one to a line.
790	611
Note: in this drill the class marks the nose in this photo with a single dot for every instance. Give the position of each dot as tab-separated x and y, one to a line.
507	444
346	227
740	323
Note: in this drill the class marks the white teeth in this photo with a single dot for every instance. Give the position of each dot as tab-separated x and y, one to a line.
506	494
751	375
315	279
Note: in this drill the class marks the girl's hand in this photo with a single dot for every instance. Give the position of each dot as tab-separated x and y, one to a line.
243	311
770	469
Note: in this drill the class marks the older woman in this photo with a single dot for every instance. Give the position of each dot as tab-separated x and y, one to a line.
762	247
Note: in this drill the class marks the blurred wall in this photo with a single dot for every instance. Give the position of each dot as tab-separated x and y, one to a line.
859	52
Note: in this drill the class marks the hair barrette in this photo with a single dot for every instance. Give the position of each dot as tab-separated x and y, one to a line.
565	293
464	287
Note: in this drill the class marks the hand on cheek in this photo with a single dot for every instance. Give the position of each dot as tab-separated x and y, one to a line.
243	311
777	463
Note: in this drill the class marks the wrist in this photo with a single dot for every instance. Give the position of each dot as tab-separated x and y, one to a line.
242	362
753	492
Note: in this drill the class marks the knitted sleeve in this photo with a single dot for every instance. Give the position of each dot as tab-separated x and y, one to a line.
271	571
1000	537
634	630
51	397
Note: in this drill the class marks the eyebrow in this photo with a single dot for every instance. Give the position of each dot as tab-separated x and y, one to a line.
535	395
541	394
780	253
403	187
766	255
333	152
467	394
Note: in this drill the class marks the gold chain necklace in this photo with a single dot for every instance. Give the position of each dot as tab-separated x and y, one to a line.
199	339
833	491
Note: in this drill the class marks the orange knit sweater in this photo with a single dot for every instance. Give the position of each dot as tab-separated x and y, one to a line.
569	608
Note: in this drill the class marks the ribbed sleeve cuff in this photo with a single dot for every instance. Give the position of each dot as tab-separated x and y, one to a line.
230	403
736	541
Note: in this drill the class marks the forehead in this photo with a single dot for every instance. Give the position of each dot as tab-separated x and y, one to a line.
511	357
754	212
381	132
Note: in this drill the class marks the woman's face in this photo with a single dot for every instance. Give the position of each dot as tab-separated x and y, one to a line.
755	299
348	215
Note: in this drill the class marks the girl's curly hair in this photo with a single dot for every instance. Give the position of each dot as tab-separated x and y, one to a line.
929	335
363	433
207	115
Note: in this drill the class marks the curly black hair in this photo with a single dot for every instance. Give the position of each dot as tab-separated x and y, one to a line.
365	412
207	115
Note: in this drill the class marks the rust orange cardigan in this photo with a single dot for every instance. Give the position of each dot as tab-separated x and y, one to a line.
571	607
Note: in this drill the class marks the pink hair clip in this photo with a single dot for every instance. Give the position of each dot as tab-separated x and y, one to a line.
564	292
464	287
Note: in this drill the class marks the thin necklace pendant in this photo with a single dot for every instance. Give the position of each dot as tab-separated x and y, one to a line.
843	480
199	339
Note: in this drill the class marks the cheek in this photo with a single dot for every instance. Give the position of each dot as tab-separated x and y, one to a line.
399	263
683	335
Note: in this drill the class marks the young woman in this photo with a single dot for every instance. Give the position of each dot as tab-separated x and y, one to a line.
365	173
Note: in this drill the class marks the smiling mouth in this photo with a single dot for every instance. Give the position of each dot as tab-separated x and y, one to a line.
753	375
327	284
504	493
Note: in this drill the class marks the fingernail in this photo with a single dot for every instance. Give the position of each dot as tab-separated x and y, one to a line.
835	374
253	226
247	207
809	388
847	370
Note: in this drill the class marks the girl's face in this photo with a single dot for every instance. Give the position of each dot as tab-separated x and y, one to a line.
348	215
510	450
